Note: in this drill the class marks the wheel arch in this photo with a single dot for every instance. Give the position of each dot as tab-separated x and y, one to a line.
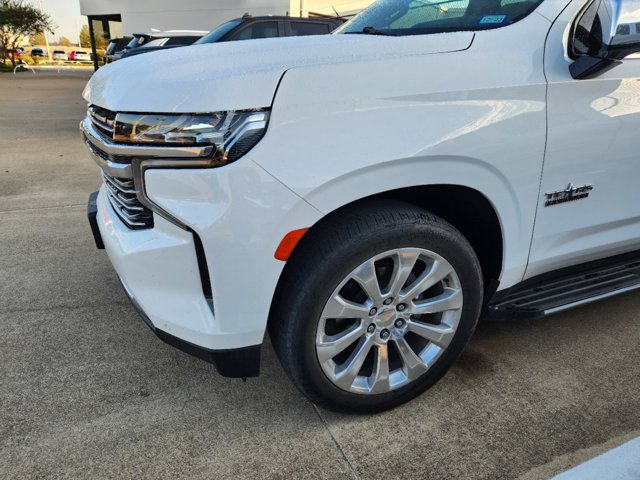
471	213
465	208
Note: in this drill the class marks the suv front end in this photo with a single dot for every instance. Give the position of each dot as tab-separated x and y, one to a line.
201	212
190	232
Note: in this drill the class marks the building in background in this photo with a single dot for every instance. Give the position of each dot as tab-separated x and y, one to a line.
116	18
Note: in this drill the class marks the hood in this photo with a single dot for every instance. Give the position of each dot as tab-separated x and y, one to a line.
140	50
243	74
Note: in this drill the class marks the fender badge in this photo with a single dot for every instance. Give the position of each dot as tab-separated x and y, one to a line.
569	194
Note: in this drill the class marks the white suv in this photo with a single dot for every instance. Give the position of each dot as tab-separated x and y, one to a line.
367	196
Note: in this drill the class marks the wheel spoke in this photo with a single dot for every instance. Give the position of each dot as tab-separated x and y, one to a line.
336	344
366	276
379	303
438	271
406	261
338	307
349	371
441	335
414	365
380	377
450	299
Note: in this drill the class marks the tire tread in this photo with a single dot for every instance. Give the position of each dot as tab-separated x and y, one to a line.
318	246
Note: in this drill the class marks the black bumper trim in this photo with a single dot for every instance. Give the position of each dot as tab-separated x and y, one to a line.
233	363
92	213
203	268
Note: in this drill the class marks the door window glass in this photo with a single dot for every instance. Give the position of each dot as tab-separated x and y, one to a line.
258	30
308	28
220	31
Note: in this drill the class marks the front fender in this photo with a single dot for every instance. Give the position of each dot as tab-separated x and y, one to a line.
479	176
474	118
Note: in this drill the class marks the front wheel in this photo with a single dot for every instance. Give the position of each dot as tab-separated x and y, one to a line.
375	306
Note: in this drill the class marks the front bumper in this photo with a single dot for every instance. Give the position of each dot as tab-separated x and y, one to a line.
240	214
236	362
203	272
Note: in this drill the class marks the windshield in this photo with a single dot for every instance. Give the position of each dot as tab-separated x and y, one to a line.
220	31
416	17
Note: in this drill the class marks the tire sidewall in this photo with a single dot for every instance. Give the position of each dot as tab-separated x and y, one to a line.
335	267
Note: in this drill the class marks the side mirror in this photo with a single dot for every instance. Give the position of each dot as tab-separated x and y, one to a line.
607	32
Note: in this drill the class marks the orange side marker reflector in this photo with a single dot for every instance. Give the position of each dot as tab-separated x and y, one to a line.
288	243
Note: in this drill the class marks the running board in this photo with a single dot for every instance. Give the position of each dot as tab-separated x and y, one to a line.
568	288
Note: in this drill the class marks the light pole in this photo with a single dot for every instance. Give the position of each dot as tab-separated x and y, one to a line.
46	39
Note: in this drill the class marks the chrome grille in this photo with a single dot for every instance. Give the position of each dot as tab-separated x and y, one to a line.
95	150
122	196
104	120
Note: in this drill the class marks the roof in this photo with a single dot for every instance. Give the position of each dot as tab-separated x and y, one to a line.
295	19
174	33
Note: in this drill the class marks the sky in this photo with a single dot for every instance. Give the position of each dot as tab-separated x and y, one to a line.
66	15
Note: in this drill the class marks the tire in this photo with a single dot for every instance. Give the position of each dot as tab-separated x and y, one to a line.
328	270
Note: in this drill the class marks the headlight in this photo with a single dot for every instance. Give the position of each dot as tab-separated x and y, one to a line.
233	133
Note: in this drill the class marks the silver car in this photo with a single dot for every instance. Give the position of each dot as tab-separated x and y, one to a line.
60	55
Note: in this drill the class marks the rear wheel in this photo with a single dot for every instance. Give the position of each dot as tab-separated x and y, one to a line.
375	306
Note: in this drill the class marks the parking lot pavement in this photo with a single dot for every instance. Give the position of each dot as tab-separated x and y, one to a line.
87	391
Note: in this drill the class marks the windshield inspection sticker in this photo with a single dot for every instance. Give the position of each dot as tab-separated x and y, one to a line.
493	19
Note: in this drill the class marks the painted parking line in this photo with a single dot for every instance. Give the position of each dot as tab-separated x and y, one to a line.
621	463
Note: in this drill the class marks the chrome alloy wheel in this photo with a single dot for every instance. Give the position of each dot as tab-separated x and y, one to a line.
389	321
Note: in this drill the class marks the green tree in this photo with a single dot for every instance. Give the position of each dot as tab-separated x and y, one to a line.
20	20
101	41
64	41
85	37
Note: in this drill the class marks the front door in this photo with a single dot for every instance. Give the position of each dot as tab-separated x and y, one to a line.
589	205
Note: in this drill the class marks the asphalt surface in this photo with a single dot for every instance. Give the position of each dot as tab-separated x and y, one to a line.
87	391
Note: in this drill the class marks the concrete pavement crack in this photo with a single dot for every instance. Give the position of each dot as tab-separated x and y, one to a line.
325	424
65	307
53	207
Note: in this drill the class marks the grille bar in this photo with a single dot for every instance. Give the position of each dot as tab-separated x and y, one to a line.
124	185
124	201
104	120
127	204
120	187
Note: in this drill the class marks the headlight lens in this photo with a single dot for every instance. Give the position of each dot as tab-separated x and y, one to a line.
233	133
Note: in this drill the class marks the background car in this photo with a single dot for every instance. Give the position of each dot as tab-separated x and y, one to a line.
150	42
39	52
247	28
115	47
60	55
18	53
79	56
